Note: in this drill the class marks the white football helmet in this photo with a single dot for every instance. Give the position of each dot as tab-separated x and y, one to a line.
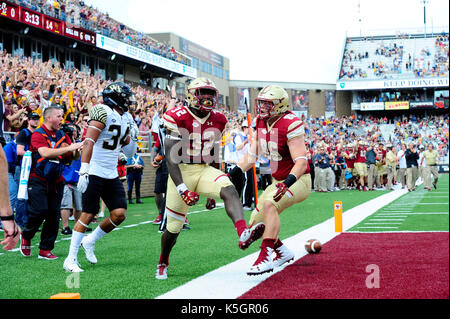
273	100
202	94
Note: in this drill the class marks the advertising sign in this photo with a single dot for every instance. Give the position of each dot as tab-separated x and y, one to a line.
124	49
402	105
421	105
372	106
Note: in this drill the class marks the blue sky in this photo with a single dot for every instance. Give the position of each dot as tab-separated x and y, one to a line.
283	40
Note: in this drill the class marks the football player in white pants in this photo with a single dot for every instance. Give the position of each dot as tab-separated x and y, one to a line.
109	130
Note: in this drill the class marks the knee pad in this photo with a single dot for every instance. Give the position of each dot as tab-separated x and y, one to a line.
175	221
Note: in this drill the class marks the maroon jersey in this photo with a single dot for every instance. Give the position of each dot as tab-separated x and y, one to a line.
361	155
381	155
200	137
273	143
350	161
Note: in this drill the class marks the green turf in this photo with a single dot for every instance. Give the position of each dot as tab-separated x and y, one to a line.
421	210
128	256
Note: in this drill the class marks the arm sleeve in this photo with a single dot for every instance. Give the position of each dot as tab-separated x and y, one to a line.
157	141
98	113
295	129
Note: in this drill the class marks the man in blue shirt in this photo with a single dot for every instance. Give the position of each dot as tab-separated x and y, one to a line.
135	168
325	172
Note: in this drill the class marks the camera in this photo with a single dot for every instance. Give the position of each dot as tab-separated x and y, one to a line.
69	128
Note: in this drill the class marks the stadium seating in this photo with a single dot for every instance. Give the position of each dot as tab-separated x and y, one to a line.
395	58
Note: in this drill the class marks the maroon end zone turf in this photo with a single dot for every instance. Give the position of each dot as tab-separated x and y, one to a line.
410	265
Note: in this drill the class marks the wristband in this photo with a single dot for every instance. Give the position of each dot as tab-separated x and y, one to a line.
252	154
290	180
300	157
181	188
84	169
10	217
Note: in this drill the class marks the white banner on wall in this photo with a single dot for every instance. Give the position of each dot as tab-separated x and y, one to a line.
372	106
392	84
356	106
124	49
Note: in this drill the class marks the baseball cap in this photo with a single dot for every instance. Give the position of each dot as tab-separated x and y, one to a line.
34	116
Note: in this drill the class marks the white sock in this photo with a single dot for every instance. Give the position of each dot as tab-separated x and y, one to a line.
96	235
75	244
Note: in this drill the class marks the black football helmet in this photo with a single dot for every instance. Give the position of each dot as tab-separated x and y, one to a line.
118	94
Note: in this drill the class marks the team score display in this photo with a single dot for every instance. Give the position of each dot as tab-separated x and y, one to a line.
247	308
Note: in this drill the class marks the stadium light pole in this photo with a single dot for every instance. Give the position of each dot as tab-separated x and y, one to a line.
425	17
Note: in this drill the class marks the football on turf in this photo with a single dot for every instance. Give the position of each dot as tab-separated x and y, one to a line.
313	246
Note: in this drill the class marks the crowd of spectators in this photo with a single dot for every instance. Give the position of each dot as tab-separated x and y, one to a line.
79	14
394	59
336	137
31	85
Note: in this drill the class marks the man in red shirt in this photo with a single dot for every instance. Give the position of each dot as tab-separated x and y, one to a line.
50	148
360	163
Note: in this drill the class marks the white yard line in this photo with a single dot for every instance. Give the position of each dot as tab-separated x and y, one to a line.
380	227
380	219
402	214
231	281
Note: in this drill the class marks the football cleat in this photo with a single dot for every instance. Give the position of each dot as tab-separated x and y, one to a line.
46	254
250	235
157	220
71	265
263	264
161	271
25	247
283	255
89	250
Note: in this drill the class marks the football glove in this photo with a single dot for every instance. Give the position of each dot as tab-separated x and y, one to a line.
281	190
210	203
190	198
283	187
83	181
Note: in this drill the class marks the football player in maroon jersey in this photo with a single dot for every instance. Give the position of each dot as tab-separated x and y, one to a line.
192	144
280	138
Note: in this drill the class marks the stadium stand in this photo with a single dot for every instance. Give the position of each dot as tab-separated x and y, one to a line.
395	58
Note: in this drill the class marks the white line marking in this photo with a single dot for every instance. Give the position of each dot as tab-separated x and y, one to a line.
374	227
380	219
385	223
232	278
399	231
402	214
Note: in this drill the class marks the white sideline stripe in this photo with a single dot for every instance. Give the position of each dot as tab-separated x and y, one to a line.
231	281
446	203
